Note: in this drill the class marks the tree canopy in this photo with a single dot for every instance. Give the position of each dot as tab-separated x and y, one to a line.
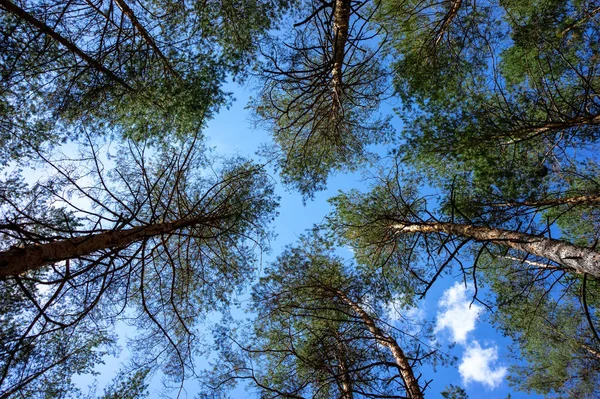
477	121
322	331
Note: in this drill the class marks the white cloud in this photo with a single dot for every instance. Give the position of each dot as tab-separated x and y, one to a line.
457	314
478	365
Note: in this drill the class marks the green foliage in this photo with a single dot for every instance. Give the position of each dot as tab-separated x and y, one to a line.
127	386
434	50
322	121
150	77
307	340
91	69
536	305
500	110
555	350
42	364
316	144
454	392
164	284
512	101
364	221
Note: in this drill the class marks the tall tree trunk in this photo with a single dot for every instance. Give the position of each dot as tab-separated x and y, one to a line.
591	199
412	385
527	133
445	23
16	260
588	15
345	380
341	23
573	257
149	40
72	47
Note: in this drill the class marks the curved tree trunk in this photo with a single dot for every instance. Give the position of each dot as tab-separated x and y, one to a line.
412	385
578	259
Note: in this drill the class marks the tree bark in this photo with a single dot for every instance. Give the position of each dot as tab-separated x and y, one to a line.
149	40
16	260
450	15
589	15
72	47
345	381
527	133
412	385
592	199
341	23
575	258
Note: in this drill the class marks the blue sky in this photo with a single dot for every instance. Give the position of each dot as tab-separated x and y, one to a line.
482	352
460	324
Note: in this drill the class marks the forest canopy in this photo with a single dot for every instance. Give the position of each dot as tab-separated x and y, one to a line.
476	123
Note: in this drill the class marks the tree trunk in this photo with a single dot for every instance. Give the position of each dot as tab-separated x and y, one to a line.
16	260
412	385
345	381
572	257
527	133
47	30
592	199
450	15
149	40
341	23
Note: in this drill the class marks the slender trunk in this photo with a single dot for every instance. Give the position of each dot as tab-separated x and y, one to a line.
534	131
575	24
592	199
16	260
593	352
412	385
341	23
47	30
578	340
345	381
573	257
149	40
532	263
450	15
18	386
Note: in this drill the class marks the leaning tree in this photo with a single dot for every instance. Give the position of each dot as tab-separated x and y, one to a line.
322	329
156	241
